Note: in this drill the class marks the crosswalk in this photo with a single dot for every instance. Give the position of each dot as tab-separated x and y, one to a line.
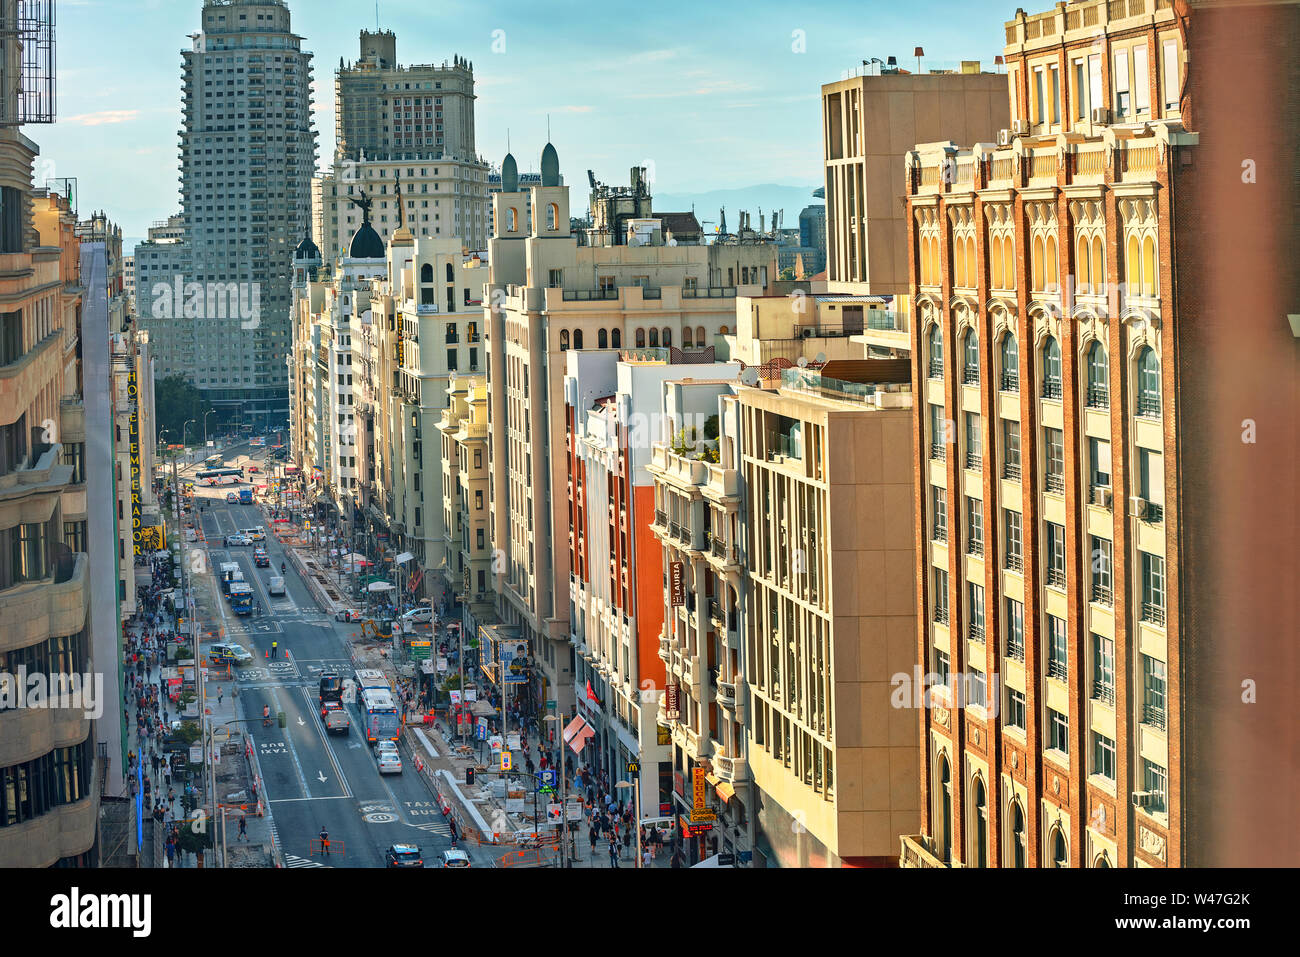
293	860
441	828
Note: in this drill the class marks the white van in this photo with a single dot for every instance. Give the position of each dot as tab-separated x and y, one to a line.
275	586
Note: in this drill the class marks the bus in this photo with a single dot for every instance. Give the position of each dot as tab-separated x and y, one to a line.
382	721
241	598
230	573
220	473
214	461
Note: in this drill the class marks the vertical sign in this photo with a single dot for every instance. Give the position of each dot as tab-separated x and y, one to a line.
699	788
132	395
677	583
671	704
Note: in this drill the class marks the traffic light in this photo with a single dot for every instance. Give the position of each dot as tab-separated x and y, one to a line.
469	776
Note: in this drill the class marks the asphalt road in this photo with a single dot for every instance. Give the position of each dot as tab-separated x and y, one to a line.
311	778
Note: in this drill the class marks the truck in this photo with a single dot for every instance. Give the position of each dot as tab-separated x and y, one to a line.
241	598
275	586
230	573
245	496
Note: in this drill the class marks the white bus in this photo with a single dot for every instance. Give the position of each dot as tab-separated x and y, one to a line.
381	719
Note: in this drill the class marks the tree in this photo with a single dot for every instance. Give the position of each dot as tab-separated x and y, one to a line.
787	273
175	401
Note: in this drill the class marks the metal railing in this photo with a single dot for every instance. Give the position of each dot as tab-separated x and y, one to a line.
1056	577
940	533
975	546
1051	388
1155	614
1148	406
970	375
661	517
976	633
1103	691
1153	514
1101	594
941	614
1016	650
937	451
1153	716
936	368
974	461
1054	482
1011	470
1014	563
1058	669
1098	397
1010	382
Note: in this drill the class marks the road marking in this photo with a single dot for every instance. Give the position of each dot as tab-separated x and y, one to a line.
293	860
328	797
425	741
325	742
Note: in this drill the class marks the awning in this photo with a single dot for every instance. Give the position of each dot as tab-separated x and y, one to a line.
725	791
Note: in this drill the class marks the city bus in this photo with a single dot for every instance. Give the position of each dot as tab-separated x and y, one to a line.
230	573
381	718
214	461
219	473
241	598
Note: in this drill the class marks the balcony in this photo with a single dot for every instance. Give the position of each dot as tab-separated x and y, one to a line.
1148	406
1101	595
665	648
916	852
727	767
1011	470
1016	650
1058	669
974	461
970	375
1054	482
936	368
941	615
974	546
55	605
726	692
938	453
1098	397
1051	388
1010	382
1153	614
976	632
1103	691
715	613
1056	578
940	533
1154	716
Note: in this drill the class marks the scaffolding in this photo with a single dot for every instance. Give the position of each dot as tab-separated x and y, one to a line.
28	68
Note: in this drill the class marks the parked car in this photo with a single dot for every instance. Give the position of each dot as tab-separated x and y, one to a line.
421	615
224	652
239	538
404	855
455	858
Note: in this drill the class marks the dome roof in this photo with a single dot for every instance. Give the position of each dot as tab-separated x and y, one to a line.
550	166
509	175
366	244
306	250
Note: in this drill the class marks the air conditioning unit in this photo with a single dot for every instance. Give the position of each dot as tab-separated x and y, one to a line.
1145	798
1137	506
1104	497
806	332
1004	137
1100	115
1020	127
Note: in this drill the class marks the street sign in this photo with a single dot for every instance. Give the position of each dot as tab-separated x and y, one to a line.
506	761
480	730
549	778
633	768
552	814
512	740
552	704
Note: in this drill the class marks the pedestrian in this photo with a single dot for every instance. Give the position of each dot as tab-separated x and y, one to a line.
221	694
627	838
243	828
593	836
646	856
613	853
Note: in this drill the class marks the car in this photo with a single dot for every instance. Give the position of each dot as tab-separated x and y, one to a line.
252	469
231	497
347	614
224	652
386	746
335	717
420	615
455	858
239	538
275	586
389	762
404	855
261	559
257	534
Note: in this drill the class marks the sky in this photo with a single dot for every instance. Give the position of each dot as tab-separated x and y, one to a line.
708	96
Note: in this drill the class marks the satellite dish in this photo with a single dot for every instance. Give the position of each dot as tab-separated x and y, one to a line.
671	242
803	362
821	357
749	377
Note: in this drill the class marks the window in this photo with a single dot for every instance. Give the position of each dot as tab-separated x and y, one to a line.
1148	384
941	596
1099	465
1056	95
1141	84
602	339
936	352
640	339
1010	449
1060	850
1054	452
1051	369
974	460
971	350
1153	588
1098	377
1170	61
1011	533
1020	851
977	690
616	338
555	278
1058	731
1101	561
1103	668
974	526
941	669
1058	653
1040	96
981	824
1122	101
1080	90
1153	692
1015	713
1151	485
1154	783
1010	364
11	334
938	433
975	603
939	509
1055	555
1015	630
577	338
478	500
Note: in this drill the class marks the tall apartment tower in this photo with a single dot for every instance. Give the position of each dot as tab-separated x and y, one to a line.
1100	329
247	155
415	123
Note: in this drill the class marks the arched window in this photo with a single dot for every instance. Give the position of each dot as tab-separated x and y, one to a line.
972	267
981	825
1060	852
1098	278
616	338
577	338
451	273
724	330
943	813
1101	861
700	340
971	355
1039	255
1008	264
654	338
1148	384
1133	267
668	338
995	255
1083	265
1010	357
1098	376
1149	266
552	216
1019	850
1051	369
936	352
602	339
959	263
564	339
1052	266
426	272
640	339
512	219
688	339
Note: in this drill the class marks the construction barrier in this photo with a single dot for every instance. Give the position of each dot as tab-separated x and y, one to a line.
330	848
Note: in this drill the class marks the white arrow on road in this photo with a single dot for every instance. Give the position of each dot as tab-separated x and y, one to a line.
321	776
300	721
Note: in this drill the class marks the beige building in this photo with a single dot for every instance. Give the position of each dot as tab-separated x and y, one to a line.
547	293
868	125
467	532
830	614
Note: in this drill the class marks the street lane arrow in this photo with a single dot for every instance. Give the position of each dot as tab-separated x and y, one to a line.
300	721
321	775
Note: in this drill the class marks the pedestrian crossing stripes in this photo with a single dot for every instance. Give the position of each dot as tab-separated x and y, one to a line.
293	860
440	828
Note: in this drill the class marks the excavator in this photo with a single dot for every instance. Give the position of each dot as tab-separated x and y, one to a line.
380	629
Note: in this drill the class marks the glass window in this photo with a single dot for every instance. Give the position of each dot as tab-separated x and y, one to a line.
1099	460
1153	691
974	457
1103	668
1015	713
972	355
939	508
1054	451
1057	648
1055	554
938	432
1153	588
1122	103
1154	782
1148	369
1101	561
1170	60
1141	84
1010	364
1010	449
1103	756
975	602
941	595
1011	526
936	352
974	526
1051	369
1098	376
1015	629
1058	731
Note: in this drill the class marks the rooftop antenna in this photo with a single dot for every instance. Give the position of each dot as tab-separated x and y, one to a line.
376	16
548	127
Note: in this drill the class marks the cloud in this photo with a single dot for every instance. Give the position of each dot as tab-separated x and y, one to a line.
103	117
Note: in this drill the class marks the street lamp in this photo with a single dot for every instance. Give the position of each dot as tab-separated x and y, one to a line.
635	785
205	426
564	801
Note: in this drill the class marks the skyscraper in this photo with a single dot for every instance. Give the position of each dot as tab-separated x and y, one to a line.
247	155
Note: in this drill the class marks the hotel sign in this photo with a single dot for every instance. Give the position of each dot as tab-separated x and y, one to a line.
677	583
133	396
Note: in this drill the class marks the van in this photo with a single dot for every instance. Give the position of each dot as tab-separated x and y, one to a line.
275	586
